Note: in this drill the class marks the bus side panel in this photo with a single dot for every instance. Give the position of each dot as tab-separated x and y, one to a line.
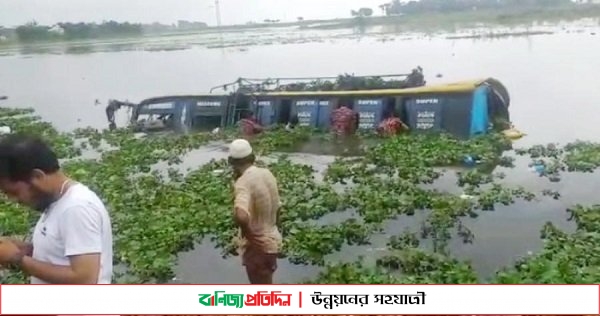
307	111
324	114
479	111
425	114
265	113
457	113
370	112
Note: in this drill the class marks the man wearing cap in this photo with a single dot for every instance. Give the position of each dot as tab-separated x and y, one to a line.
256	212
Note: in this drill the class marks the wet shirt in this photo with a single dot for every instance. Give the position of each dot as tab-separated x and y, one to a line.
343	121
250	127
390	126
256	191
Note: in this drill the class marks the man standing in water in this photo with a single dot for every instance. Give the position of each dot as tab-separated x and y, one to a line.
72	241
344	121
249	126
391	125
256	213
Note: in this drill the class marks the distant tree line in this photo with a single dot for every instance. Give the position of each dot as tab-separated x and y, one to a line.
362	12
32	31
397	7
93	30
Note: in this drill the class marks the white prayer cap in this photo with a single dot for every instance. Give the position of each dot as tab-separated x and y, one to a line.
240	148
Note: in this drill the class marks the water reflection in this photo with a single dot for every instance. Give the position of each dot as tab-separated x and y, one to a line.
79	49
205	265
34	50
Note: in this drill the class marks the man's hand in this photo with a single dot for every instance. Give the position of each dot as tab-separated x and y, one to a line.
242	219
10	253
26	248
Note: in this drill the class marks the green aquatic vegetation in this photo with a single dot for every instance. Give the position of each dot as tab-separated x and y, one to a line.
551	193
403	241
342	82
487	199
388	182
409	266
354	273
23	120
14	220
303	198
474	178
566	258
552	160
309	244
159	210
279	138
582	156
417	266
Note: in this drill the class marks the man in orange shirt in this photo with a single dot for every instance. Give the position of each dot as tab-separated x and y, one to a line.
256	213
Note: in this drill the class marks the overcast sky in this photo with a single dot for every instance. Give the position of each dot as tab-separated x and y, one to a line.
16	12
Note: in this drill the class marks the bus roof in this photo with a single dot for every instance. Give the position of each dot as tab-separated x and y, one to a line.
463	86
180	97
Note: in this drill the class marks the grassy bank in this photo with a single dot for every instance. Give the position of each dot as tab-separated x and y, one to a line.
456	20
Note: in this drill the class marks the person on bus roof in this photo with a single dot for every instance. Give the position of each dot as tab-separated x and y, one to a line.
249	125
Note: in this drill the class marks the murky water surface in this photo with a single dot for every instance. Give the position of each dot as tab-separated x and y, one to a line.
551	78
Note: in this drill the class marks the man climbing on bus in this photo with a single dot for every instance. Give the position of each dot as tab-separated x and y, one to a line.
344	121
391	125
249	125
113	106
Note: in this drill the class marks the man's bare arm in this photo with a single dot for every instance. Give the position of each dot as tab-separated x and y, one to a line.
278	216
258	128
241	215
242	219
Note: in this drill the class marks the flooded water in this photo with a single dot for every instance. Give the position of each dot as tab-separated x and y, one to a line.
551	79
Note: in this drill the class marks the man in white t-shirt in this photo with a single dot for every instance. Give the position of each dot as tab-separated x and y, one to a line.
72	241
